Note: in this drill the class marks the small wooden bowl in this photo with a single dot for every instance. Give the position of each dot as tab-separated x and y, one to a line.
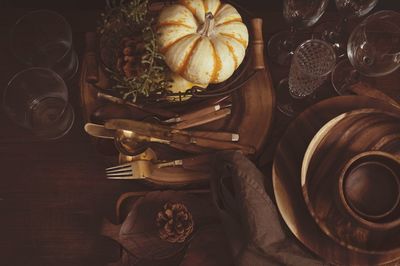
369	189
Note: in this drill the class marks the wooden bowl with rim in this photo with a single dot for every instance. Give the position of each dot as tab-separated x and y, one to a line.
369	189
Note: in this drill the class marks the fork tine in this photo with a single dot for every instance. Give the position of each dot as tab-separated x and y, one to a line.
122	174
119	166
122	168
120	177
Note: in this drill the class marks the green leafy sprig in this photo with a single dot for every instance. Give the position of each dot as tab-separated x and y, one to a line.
123	19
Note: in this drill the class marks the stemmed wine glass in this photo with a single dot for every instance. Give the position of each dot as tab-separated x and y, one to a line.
373	50
312	61
298	14
333	32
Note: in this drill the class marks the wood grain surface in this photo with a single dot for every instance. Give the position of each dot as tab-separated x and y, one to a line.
287	179
359	131
53	195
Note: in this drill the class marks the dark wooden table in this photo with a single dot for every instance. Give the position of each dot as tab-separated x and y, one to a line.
53	195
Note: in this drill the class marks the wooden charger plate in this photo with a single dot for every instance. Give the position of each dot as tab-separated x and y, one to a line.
252	105
287	179
333	146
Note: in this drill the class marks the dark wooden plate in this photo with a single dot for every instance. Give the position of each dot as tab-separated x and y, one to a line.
356	132
287	179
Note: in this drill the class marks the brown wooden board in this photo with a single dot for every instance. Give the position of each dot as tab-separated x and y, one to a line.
252	106
124	205
287	180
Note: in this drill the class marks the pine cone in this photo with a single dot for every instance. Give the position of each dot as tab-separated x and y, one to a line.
127	62
175	222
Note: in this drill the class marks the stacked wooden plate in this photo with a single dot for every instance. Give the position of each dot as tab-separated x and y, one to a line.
337	180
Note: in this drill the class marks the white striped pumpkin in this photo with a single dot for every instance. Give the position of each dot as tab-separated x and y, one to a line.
179	84
204	41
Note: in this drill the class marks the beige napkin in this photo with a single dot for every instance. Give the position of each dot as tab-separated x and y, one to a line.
251	221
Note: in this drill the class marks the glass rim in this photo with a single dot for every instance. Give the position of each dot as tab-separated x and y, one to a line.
366	21
327	45
18	74
68	108
30	13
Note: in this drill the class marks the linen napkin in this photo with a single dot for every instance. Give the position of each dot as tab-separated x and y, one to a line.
250	218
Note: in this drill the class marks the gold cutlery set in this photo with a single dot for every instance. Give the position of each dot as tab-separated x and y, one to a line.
131	138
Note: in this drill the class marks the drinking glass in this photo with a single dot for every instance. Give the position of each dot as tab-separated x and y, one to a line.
37	99
298	14
44	39
333	32
312	61
373	50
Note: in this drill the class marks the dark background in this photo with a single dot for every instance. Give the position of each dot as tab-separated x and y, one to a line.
53	195
259	6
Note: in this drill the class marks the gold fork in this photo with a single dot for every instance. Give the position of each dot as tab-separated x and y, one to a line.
142	169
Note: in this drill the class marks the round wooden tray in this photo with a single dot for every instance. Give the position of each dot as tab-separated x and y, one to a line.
124	205
252	105
287	179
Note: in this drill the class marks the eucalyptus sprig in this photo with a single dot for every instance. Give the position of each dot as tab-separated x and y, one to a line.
123	19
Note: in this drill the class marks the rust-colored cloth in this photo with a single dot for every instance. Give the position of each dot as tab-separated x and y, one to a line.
250	218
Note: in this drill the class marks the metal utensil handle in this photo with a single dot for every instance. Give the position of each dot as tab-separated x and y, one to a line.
195	114
211	117
170	164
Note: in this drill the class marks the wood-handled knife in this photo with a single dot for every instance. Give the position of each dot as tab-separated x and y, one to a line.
207	118
165	133
99	131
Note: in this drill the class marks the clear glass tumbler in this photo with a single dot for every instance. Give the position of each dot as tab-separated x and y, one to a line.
37	99
312	61
44	39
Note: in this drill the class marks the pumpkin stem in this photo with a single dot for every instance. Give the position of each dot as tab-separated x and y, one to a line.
208	25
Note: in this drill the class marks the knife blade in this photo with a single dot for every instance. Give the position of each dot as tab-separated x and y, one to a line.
99	131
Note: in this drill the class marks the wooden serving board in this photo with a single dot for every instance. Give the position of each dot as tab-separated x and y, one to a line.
252	105
287	180
124	205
